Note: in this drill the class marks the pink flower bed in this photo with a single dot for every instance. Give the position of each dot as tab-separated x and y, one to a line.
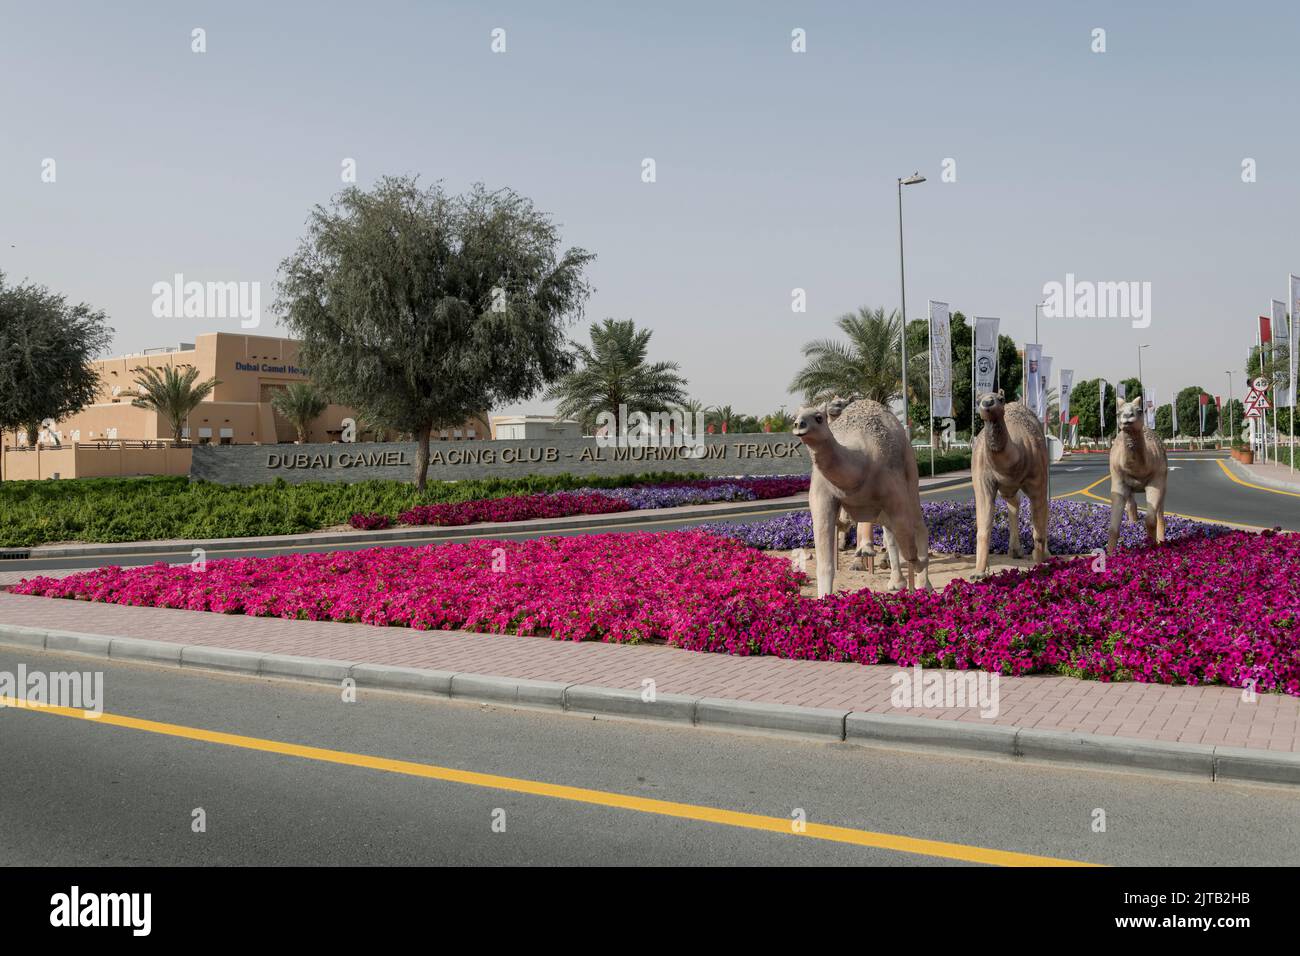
1200	610
559	504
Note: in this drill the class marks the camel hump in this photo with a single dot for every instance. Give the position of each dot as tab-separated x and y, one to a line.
1019	417
870	425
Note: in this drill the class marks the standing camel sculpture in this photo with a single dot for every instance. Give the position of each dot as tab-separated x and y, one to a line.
863	463
1008	456
866	545
1137	463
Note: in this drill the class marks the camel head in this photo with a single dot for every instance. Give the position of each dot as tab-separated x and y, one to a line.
1131	418
812	424
837	405
992	405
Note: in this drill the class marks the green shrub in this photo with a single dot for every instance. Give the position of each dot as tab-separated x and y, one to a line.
159	508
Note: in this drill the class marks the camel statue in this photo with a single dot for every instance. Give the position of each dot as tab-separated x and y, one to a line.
1137	463
1008	456
866	545
863	463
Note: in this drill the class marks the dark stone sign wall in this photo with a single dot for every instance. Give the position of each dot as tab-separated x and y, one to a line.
721	455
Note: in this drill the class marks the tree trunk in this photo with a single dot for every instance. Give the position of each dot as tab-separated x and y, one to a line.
422	457
33	434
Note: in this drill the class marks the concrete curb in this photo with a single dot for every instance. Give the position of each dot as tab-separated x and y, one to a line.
895	732
1242	472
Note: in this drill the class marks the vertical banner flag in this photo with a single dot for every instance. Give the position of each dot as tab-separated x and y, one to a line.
940	361
1121	392
1067	382
1149	403
1173	418
1205	406
1294	342
1283	335
986	355
1033	383
1045	369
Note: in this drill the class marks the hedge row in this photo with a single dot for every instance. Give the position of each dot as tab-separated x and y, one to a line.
151	509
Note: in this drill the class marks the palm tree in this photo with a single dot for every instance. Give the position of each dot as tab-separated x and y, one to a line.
721	417
172	393
614	372
300	404
867	364
779	421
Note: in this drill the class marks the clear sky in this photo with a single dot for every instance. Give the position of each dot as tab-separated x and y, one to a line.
775	170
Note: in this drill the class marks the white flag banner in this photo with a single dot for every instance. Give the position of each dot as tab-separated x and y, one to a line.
940	360
1067	383
1294	341
1045	365
1280	331
1101	406
1121	392
1173	417
1149	404
1033	382
986	355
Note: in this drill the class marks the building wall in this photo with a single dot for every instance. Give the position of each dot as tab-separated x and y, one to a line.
248	369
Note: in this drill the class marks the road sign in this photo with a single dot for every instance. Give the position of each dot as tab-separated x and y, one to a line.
1261	384
1256	404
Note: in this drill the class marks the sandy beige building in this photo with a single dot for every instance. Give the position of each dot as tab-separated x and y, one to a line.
114	437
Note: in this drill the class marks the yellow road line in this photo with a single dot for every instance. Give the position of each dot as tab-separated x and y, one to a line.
621	801
1082	491
1247	484
1179	514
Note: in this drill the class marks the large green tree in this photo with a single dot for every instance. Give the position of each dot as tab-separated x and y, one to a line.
865	361
1189	412
615	371
1084	403
918	363
46	347
421	309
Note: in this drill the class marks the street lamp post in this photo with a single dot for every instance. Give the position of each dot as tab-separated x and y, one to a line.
911	180
1142	388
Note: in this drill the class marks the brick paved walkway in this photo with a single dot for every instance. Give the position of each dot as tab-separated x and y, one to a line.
1205	715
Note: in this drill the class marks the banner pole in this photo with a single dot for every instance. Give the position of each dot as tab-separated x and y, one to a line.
974	322
929	347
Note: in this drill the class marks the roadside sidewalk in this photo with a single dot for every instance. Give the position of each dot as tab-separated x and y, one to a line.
1213	732
1278	477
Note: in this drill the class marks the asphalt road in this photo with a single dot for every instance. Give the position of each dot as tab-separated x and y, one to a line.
75	792
1199	487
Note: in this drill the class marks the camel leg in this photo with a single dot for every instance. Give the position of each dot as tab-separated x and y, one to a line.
825	510
1155	516
922	562
1014	548
1132	508
866	547
984	502
1039	512
895	565
1118	500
